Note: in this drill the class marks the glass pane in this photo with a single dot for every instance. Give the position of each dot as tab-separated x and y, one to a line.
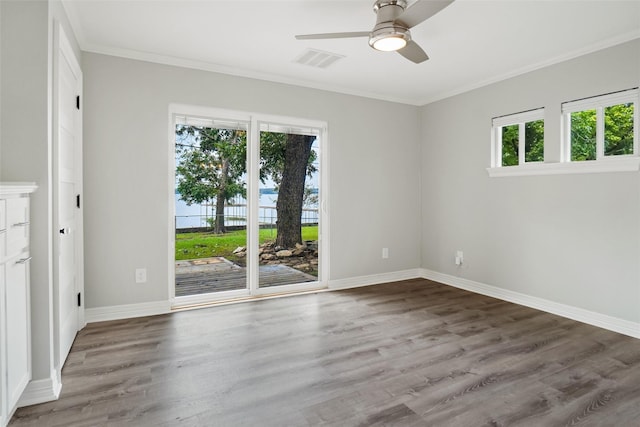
510	145
618	130
288	209
534	141
583	135
210	217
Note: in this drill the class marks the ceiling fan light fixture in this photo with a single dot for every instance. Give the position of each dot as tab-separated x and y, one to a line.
389	43
389	39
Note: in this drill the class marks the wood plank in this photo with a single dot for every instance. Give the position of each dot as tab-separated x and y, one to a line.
411	353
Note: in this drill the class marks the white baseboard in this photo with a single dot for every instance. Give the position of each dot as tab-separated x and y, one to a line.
604	321
590	317
40	391
126	311
375	279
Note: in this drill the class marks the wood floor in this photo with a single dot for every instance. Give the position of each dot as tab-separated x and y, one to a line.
413	353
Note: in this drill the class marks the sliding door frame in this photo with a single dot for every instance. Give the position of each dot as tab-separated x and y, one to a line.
254	122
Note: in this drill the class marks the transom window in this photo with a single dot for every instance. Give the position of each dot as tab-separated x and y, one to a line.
518	138
601	127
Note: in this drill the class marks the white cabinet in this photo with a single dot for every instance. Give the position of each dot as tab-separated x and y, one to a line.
15	317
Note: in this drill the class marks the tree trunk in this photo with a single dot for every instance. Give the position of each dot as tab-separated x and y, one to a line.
221	198
291	192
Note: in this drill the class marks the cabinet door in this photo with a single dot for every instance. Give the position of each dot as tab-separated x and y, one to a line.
18	328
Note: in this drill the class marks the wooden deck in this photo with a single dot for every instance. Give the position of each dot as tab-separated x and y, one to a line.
204	282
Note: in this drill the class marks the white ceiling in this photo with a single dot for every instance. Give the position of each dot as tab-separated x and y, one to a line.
471	43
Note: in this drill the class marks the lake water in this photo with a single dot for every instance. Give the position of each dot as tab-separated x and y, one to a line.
196	215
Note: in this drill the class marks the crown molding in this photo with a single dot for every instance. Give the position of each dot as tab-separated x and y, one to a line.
603	44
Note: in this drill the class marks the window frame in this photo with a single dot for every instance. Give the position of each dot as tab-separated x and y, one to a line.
520	119
598	103
564	165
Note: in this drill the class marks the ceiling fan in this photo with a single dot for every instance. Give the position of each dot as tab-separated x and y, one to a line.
391	32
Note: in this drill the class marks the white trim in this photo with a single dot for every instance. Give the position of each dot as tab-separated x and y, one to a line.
619	164
40	391
611	323
599	134
253	211
324	209
171	179
12	188
127	311
375	279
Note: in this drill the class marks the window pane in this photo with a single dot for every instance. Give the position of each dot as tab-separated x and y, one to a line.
510	145
210	224
583	135
288	209
618	130
534	141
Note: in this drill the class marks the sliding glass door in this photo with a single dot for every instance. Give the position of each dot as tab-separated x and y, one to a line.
247	217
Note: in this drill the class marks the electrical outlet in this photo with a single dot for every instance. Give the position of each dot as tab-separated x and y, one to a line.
141	275
385	253
459	258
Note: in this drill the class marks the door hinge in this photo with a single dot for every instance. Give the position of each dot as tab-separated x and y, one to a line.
79	300
78	102
78	201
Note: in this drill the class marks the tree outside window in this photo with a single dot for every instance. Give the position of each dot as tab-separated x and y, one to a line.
519	138
601	126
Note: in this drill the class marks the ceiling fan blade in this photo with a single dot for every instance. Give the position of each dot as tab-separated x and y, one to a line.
333	35
413	52
421	11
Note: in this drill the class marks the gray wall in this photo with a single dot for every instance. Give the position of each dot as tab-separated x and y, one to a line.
571	239
374	171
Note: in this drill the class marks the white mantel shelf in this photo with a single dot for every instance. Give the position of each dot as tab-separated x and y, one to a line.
17	187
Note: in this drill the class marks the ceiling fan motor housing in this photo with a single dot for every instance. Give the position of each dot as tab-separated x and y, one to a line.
386	26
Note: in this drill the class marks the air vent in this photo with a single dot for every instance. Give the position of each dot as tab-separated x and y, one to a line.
317	58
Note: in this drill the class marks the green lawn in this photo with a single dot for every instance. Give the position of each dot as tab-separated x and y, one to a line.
205	245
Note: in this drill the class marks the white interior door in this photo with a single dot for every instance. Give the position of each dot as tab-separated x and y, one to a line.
67	190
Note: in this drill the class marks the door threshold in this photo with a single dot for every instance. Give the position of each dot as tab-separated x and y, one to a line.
244	298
